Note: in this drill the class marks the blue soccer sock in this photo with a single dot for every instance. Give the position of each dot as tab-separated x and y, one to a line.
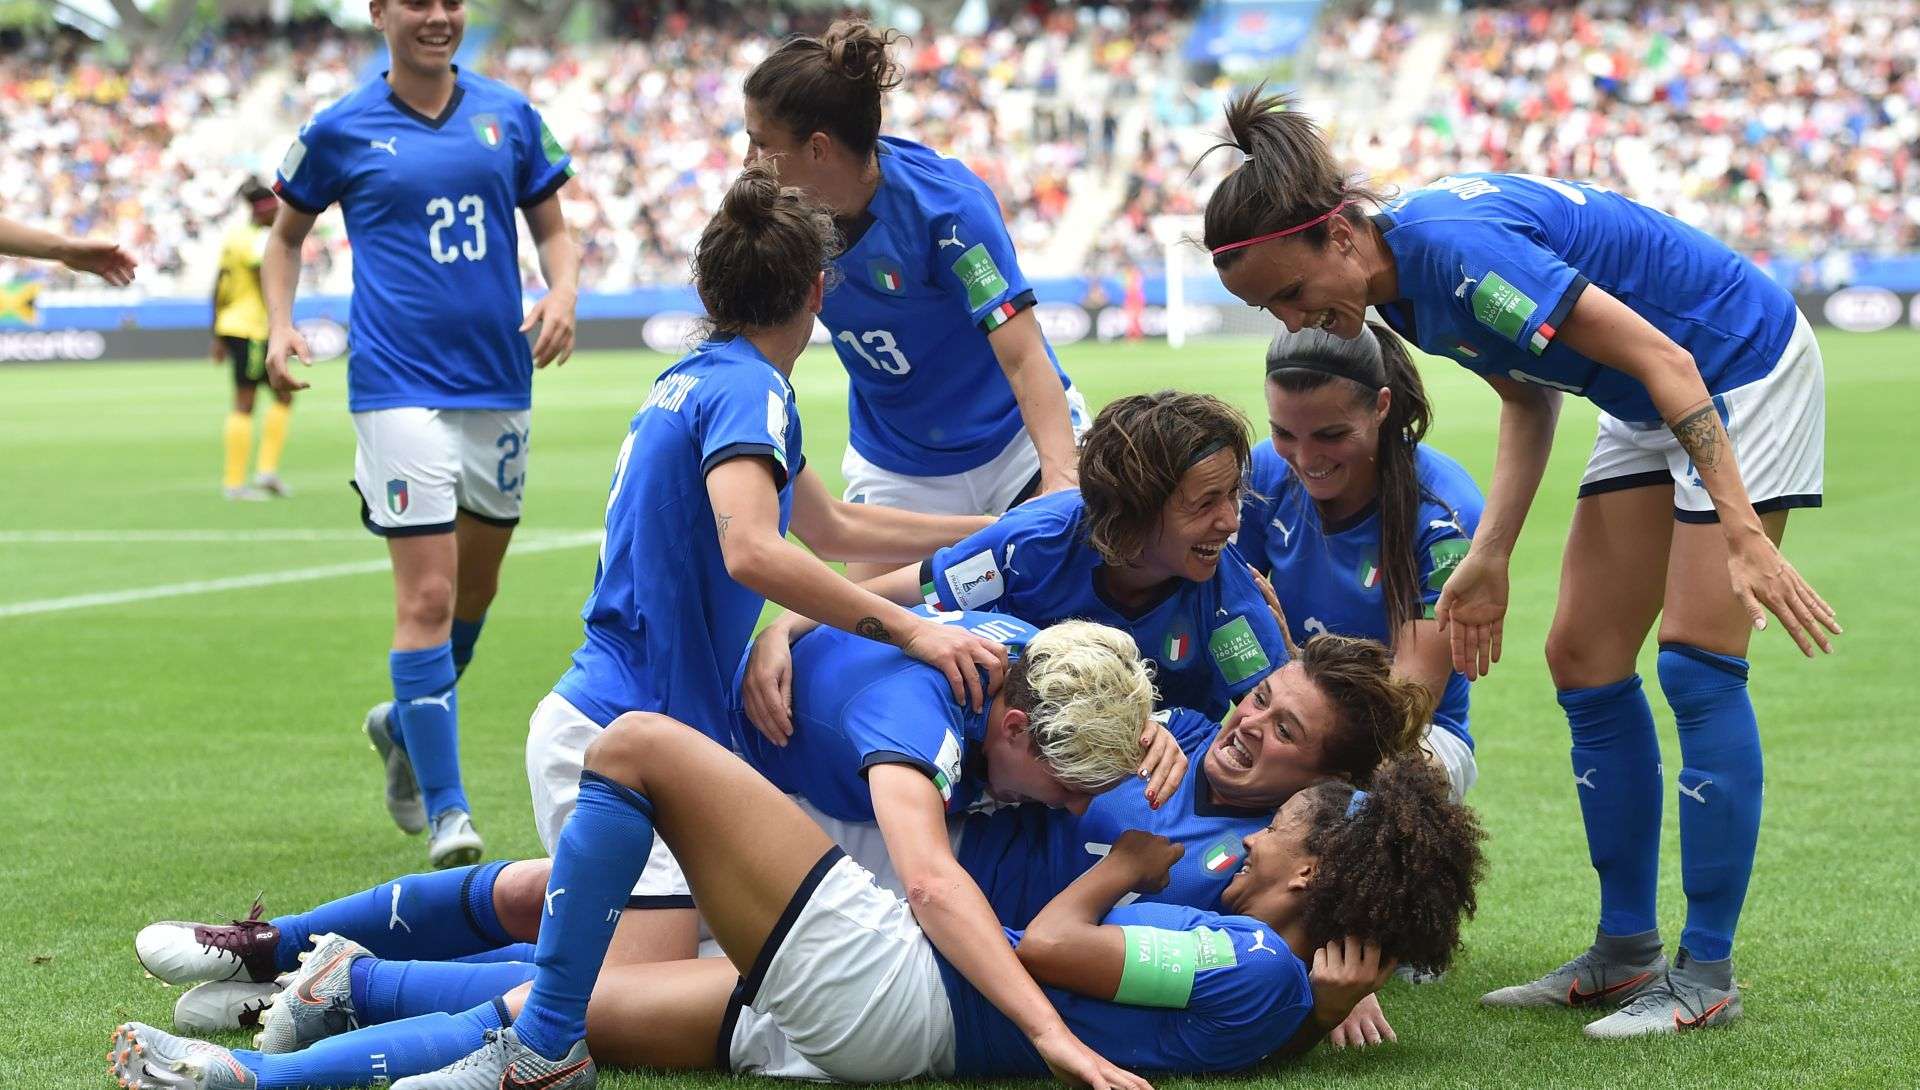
387	991
1616	772
376	1054
434	916
601	852
1720	789
513	951
465	635
427	712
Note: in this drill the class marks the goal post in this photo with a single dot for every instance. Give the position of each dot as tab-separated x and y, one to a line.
1179	249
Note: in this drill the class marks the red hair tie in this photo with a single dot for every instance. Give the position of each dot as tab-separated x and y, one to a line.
1296	229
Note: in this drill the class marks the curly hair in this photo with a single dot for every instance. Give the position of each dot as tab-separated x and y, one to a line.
1381	717
1135	454
759	256
829	84
1399	871
1087	695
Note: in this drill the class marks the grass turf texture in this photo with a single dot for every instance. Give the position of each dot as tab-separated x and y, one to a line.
168	758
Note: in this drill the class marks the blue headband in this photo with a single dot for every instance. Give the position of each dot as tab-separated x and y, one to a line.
1354	804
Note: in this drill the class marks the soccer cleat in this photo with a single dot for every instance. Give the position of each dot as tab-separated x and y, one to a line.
1588	980
1678	1002
454	841
503	1063
188	953
245	494
318	1000
220	1005
270	484
144	1058
403	791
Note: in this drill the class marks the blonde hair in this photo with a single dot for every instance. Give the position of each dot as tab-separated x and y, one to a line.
1087	695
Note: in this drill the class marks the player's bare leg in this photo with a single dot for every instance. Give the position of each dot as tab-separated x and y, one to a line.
665	1014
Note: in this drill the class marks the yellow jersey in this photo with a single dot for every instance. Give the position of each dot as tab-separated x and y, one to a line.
239	308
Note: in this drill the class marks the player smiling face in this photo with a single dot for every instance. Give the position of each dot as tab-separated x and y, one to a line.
1197	520
1278	867
1305	283
1273	742
1329	436
422	35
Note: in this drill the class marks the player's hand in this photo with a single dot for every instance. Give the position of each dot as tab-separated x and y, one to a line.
219	352
1273	605
767	686
1346	971
1472	610
282	343
1762	577
1163	766
100	257
1367	1025
960	655
1148	857
554	315
1077	1065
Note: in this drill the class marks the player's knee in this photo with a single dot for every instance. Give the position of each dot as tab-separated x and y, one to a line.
630	745
1580	660
517	897
427	604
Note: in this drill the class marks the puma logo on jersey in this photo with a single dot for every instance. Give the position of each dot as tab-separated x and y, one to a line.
1286	535
385	145
1466	284
1260	943
1006	565
953	240
1585	779
1448	524
1694	791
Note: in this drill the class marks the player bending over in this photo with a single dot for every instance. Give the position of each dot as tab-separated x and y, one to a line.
428	165
830	977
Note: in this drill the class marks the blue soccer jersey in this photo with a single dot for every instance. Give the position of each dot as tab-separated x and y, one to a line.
429	204
1210	642
1328	577
922	284
1229	993
666	624
1491	264
1022	857
859	703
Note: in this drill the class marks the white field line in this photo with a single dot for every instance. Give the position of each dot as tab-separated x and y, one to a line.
188	537
262	579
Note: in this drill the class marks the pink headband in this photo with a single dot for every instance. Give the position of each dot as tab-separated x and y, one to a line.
1315	221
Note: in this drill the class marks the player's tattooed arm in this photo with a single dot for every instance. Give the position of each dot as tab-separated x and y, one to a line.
721	522
872	629
1701	435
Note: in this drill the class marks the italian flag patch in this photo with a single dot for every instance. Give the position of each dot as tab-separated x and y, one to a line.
1541	337
1178	644
486	129
1221	857
999	316
1370	572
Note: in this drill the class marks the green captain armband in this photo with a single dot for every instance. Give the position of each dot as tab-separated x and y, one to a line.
1160	967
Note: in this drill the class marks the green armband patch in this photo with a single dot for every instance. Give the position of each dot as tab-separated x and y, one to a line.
1160	967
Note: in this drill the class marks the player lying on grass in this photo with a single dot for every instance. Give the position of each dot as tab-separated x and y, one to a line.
1141	545
1355	521
1336	710
840	980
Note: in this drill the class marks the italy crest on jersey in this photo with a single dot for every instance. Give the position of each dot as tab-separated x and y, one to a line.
1179	643
1369	571
1222	855
486	129
884	275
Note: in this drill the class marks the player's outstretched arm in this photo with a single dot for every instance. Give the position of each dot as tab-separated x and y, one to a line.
837	530
1022	353
1472	609
1608	331
560	265
279	278
746	512
89	255
958	921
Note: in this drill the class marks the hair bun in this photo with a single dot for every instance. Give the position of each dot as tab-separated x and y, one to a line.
753	196
859	52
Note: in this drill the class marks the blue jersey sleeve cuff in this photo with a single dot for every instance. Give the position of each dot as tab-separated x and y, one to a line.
895	757
1005	312
1549	327
747	450
552	187
285	194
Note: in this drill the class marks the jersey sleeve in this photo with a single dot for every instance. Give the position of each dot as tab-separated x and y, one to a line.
890	723
1448	520
310	176
544	166
1258	989
1503	277
746	412
1263	487
1248	646
1190	728
978	572
974	258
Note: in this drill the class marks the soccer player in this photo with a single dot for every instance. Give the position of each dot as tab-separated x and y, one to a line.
1142	545
428	164
1356	522
841	981
104	259
956	402
1712	424
240	340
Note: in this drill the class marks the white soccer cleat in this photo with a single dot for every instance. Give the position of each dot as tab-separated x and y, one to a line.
222	1005
404	804
144	1058
318	1000
179	952
504	1062
454	841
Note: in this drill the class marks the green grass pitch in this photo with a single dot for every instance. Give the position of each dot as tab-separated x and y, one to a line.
166	757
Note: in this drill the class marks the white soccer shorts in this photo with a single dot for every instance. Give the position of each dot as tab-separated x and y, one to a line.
851	991
414	468
1778	425
1454	756
986	490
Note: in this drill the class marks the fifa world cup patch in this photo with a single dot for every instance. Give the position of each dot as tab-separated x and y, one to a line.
1502	307
297	154
777	426
979	275
486	129
1237	651
975	581
1446	556
946	766
551	146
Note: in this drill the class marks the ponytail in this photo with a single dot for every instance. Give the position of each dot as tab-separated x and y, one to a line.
1288	178
829	84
